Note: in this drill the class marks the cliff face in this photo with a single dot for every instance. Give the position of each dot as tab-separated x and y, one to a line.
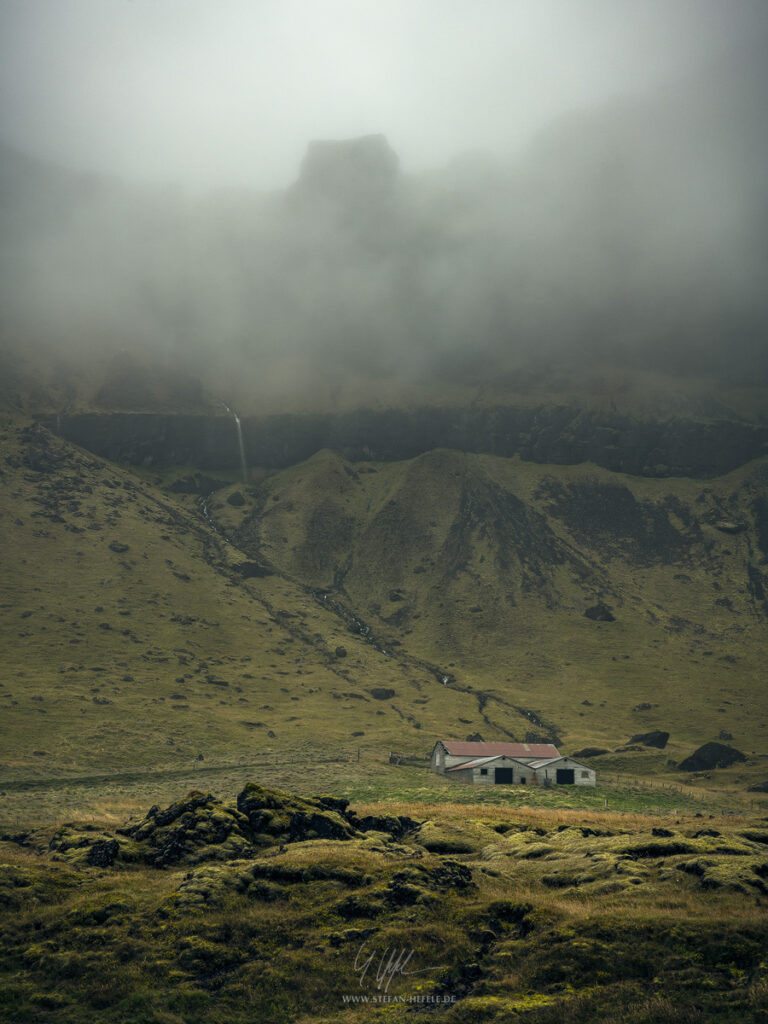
557	435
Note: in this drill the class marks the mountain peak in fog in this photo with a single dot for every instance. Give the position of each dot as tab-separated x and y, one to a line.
349	170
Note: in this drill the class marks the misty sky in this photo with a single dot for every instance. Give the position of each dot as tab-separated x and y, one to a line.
228	92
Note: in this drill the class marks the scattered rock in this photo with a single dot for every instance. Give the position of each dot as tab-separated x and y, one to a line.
724	735
118	548
474	737
711	755
644	706
656	738
761	787
590	752
249	570
381	693
236	499
600	613
340	652
729	526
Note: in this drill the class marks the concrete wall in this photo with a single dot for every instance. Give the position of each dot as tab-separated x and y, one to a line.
547	775
476	777
582	775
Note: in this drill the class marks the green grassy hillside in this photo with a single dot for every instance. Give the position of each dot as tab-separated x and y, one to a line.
333	608
133	641
489	567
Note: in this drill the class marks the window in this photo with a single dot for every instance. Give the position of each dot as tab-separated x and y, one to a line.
483	771
585	775
522	779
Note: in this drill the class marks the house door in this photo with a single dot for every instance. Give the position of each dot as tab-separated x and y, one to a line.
503	775
565	776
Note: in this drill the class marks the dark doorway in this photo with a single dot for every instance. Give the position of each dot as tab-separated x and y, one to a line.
505	775
565	776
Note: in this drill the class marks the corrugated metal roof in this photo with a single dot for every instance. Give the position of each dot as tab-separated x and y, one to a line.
477	749
548	760
471	764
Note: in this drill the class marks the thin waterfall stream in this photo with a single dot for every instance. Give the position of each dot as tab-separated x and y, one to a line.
240	444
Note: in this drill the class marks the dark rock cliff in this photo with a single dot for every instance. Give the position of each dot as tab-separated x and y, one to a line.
557	435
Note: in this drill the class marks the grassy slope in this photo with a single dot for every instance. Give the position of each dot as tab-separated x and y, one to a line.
143	658
114	660
486	566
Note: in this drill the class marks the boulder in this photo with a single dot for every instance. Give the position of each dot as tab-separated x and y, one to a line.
381	693
655	738
711	755
590	752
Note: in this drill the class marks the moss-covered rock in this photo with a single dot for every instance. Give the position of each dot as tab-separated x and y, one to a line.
196	829
396	826
88	846
282	816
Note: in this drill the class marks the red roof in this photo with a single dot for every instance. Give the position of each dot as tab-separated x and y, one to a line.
471	749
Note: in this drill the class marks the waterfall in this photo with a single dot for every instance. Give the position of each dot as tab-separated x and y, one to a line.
240	445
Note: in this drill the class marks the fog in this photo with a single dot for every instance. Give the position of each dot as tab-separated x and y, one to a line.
322	198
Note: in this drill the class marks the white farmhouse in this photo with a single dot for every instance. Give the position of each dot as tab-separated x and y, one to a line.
534	764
